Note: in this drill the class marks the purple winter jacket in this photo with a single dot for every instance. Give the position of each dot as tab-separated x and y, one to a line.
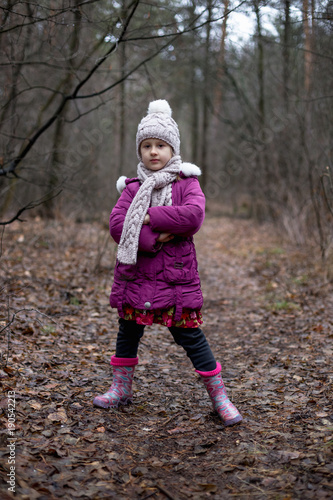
165	275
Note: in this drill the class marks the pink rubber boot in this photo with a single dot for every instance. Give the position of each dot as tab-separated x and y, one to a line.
218	395
120	392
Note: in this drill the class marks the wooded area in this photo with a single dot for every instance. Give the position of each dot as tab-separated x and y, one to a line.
255	115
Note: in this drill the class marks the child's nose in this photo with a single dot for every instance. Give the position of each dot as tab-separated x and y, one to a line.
153	150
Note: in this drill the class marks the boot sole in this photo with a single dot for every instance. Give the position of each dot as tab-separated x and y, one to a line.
100	404
233	421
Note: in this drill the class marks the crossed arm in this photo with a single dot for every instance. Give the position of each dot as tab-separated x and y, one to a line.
163	237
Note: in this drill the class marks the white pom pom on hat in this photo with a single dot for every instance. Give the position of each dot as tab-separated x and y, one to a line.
159	106
159	124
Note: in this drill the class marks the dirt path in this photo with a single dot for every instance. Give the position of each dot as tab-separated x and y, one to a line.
268	316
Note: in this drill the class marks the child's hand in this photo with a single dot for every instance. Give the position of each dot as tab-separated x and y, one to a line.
165	237
146	220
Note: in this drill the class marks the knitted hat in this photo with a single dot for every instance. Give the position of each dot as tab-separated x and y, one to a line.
158	124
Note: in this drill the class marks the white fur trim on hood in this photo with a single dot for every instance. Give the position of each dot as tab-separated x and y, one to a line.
187	169
121	184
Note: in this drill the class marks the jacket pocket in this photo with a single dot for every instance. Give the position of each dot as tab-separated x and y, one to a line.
125	272
180	263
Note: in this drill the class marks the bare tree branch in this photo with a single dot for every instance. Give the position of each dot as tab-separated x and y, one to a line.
49	18
10	321
31	141
329	199
29	206
74	95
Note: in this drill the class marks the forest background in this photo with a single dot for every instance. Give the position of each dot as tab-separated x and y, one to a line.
255	114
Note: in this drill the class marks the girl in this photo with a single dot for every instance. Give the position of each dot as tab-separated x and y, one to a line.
156	277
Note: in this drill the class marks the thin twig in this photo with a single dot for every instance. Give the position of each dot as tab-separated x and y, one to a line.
29	206
10	321
165	492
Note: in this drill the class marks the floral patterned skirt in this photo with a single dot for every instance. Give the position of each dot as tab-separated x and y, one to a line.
190	318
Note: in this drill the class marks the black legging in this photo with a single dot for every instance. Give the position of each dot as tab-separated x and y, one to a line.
192	340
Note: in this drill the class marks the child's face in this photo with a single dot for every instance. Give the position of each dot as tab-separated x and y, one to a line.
155	153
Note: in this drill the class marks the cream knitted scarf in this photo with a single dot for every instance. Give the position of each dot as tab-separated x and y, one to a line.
156	191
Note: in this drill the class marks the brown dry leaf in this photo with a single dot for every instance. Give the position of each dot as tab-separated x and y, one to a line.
58	416
35	405
286	456
177	430
52	385
212	488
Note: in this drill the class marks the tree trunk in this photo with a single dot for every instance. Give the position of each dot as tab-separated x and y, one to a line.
205	100
122	117
307	48
260	66
220	71
10	109
194	124
194	119
285	53
57	159
313	179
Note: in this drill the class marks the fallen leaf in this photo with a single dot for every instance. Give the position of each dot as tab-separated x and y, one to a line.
35	405
286	456
58	416
212	488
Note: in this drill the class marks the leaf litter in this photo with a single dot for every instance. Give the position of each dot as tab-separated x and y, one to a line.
268	315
